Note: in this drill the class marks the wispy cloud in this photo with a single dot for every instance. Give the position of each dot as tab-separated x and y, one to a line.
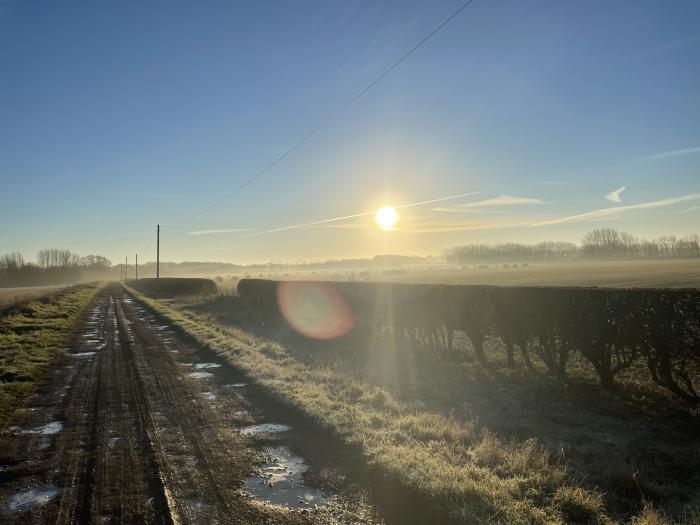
611	212
614	196
224	230
692	208
362	214
501	200
674	153
447	227
551	182
431	226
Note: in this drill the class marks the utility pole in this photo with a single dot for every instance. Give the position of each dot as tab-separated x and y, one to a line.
137	267
126	267
157	255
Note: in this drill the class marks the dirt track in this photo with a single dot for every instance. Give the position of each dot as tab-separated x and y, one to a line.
122	432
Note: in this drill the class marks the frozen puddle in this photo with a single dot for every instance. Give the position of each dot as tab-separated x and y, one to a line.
48	429
280	481
30	498
265	428
83	354
235	385
200	375
200	366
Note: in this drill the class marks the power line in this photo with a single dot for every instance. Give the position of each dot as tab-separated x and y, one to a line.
318	128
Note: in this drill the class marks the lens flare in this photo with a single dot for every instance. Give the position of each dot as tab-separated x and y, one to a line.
386	217
314	309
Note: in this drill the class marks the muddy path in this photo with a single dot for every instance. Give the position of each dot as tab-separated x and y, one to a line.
136	424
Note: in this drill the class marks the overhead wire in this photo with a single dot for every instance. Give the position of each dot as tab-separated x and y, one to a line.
330	118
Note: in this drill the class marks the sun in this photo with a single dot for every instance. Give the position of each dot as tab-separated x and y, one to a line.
386	217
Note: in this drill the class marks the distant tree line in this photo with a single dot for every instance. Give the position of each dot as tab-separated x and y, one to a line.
605	244
52	266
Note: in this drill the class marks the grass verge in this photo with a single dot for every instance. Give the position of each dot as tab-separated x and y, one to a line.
30	335
467	472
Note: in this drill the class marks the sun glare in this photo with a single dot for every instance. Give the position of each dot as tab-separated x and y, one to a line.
386	217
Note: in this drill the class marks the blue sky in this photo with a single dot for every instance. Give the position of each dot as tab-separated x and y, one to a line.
117	116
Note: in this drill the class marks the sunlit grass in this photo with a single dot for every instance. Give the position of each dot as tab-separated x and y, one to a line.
467	471
30	336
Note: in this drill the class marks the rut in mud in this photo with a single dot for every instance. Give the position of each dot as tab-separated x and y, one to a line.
134	426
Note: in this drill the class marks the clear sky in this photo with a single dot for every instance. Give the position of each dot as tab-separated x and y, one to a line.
115	116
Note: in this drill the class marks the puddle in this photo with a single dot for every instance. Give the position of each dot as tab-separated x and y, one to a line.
280	481
48	429
200	366
200	375
236	385
209	396
30	498
265	428
83	354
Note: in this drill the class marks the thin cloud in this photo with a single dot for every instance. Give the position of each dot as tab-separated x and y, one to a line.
692	208
362	214
213	232
427	227
447	227
674	153
614	196
501	200
611	212
551	182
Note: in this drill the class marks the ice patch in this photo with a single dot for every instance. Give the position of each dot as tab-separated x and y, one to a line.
200	375
265	428
30	498
200	366
54	427
280	481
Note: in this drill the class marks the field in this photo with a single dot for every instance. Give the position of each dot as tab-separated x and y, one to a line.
210	408
511	443
11	296
31	334
661	273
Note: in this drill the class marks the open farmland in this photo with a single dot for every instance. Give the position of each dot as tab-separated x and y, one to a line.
658	273
601	429
12	296
31	335
302	402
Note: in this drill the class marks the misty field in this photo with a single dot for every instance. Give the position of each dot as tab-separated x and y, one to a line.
11	296
661	273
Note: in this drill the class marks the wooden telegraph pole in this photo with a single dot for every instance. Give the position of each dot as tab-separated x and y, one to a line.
137	267
126	267
157	255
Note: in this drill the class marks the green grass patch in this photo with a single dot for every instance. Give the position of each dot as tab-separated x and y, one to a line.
468	472
30	336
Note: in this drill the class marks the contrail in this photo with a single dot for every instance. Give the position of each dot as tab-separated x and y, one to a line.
363	214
